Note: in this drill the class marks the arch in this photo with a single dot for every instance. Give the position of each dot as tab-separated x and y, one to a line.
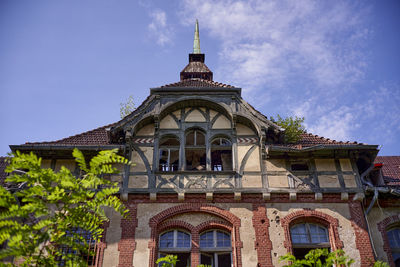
312	216
196	102
383	227
232	224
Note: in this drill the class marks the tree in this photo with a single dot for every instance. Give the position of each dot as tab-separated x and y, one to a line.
127	107
42	214
293	127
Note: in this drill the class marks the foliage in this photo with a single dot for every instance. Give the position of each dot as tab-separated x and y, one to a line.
319	258
127	107
40	216
381	264
168	261
293	127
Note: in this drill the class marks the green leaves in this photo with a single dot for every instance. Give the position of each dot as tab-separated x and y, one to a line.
293	127
168	261
127	108
318	258
44	205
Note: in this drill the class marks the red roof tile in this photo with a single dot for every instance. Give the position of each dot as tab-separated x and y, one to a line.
197	82
96	137
390	169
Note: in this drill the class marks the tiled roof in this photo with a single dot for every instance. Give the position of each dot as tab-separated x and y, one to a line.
309	140
3	165
96	137
196	66
197	82
390	169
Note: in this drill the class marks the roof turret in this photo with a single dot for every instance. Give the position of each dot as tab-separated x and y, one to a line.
196	67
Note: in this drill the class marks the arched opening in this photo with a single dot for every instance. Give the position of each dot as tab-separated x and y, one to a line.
221	154
176	242
195	150
169	154
308	236
215	248
394	243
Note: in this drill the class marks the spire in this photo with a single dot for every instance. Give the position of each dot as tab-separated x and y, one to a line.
196	43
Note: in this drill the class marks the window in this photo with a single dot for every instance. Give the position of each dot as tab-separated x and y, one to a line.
394	242
215	249
221	154
169	154
178	243
195	150
299	166
81	236
306	237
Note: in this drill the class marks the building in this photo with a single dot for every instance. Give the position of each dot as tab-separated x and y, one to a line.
215	183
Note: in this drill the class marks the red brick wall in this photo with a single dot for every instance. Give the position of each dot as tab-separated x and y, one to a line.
363	243
313	216
263	242
127	244
230	223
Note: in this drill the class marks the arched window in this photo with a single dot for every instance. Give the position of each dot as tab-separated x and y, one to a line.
394	242
221	154
195	150
307	236
216	249
178	243
169	154
81	236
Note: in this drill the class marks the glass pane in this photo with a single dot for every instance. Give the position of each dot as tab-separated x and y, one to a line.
318	234
163	160
221	142
299	234
183	260
169	141
167	240
183	240
207	240
223	240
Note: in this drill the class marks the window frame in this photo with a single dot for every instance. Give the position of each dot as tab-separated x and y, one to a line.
309	236
169	148
175	238
394	250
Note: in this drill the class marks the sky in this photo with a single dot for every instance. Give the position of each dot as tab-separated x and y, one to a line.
66	65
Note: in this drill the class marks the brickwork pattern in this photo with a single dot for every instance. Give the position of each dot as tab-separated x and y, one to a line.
263	242
101	246
230	223
127	244
383	228
312	216
363	242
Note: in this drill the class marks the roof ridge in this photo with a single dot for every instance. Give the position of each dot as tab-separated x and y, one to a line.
182	82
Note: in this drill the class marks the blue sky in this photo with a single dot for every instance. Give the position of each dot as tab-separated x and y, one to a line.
65	66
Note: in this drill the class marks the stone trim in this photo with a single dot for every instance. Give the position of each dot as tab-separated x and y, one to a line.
127	244
263	243
383	227
363	242
312	216
157	224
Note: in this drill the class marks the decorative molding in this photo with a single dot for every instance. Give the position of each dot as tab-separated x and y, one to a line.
143	140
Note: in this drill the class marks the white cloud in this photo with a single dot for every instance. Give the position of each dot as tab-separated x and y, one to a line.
159	28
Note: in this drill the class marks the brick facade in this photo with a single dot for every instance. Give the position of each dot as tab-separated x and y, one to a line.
363	243
127	244
263	242
229	222
312	216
